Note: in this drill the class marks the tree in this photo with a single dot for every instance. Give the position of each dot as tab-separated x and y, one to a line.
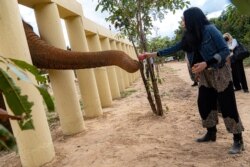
158	42
236	23
134	19
242	5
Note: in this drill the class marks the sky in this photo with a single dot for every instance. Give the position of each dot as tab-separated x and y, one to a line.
171	22
212	8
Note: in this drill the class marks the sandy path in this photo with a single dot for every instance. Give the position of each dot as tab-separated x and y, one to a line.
129	135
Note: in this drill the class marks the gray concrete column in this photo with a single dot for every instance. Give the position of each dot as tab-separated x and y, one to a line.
114	87
86	77
118	70
100	73
62	81
35	147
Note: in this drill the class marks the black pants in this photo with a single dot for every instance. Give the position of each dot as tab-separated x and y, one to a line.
239	77
207	104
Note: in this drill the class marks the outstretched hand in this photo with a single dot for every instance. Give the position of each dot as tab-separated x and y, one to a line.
142	56
145	55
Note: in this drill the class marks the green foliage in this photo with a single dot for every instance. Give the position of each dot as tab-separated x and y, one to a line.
247	62
47	98
126	93
242	6
231	20
32	69
7	140
134	17
236	23
158	42
19	104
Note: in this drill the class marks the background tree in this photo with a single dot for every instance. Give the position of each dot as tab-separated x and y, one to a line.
230	20
134	19
157	43
242	6
237	24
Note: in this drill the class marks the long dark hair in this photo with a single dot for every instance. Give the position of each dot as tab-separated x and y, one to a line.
195	20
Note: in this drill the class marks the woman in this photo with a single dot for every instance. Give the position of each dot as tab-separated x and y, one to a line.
238	72
209	51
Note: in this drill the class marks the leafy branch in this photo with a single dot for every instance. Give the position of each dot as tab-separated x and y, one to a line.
19	104
134	18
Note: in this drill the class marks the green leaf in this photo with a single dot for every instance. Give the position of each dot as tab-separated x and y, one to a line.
32	69
47	98
26	124
242	6
20	74
3	145
18	103
7	140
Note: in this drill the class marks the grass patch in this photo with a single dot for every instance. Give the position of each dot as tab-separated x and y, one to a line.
165	94
246	62
127	93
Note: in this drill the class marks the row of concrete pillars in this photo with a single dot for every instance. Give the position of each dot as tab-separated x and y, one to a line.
98	87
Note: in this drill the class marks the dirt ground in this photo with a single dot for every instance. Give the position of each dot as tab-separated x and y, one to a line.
130	135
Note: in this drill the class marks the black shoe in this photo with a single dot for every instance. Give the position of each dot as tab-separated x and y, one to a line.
194	84
209	136
246	91
237	147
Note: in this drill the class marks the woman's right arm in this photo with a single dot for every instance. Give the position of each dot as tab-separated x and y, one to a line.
164	52
168	51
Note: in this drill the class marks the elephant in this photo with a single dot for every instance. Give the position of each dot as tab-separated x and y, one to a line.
47	56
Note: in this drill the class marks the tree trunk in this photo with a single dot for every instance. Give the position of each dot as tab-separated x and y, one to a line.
149	95
151	72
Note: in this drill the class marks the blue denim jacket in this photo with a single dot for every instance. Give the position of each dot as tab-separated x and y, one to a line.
213	46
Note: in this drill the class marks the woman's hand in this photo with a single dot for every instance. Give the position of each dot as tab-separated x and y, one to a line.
146	55
198	67
141	57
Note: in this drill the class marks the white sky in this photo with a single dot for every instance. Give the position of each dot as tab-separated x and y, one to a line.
166	28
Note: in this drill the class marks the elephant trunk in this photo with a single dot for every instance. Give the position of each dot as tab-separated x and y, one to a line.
49	57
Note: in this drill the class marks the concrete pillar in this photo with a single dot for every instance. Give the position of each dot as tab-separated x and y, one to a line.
124	73
130	48
118	70
100	73
137	74
130	75
133	55
35	147
62	81
86	77
114	87
126	77
127	80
